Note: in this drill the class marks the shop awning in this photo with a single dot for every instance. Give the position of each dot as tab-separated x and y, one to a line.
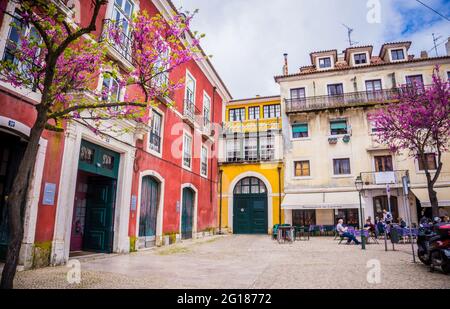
334	200
443	195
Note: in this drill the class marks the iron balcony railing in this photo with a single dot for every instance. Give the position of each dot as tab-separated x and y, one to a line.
191	112
252	126
118	37
343	100
383	178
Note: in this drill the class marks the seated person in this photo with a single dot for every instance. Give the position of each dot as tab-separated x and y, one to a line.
343	232
402	223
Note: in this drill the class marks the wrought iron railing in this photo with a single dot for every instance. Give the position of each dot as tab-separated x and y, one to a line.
383	178
261	125
343	100
191	112
118	37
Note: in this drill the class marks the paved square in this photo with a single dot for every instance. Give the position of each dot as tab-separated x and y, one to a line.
242	262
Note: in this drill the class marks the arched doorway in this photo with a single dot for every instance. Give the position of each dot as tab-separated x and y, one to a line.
187	215
380	203
250	207
150	194
12	148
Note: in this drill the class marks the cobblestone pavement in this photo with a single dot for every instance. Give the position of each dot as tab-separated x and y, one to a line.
245	262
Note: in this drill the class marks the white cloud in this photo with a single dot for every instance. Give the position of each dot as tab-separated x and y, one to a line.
247	38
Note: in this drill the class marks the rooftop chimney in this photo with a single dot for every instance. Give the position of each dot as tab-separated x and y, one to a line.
447	46
285	67
423	54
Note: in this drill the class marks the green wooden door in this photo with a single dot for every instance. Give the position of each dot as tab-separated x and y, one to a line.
250	215
149	207
187	216
99	228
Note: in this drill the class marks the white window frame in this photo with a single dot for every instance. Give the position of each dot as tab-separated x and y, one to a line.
206	159
342	175
186	134
110	12
325	57
190	76
299	139
4	33
206	96
361	53
294	177
100	85
339	135
161	146
405	54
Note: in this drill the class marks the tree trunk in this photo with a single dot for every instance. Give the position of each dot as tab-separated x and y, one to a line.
17	200
433	200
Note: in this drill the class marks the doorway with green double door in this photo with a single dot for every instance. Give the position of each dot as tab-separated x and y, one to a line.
95	198
187	213
148	214
250	213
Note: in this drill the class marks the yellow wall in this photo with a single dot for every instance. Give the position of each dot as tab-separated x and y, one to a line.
232	172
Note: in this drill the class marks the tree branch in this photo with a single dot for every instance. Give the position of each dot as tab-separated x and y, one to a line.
93	106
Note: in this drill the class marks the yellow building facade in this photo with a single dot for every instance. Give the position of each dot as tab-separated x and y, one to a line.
251	166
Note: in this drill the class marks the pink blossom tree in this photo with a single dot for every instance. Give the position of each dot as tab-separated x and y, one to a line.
63	62
420	125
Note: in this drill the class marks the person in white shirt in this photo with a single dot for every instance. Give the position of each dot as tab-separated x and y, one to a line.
343	232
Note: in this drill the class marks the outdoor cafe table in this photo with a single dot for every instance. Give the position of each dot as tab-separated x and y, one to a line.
286	233
302	232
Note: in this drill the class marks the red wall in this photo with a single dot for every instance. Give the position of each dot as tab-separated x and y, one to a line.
24	112
169	167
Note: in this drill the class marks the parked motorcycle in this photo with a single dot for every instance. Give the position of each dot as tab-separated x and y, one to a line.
434	246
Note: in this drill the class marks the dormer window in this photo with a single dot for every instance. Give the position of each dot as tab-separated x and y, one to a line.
325	63
360	58
397	54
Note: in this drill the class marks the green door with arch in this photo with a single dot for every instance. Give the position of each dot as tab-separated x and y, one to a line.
187	214
250	214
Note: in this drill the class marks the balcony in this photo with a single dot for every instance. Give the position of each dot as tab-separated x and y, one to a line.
206	129
119	42
252	126
250	148
347	100
191	114
375	180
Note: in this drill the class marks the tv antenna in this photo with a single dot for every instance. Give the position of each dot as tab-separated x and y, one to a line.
349	33
435	40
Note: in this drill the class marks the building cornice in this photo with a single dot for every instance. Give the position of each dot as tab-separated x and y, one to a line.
363	68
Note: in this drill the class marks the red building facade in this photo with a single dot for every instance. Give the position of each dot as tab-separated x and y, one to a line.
157	181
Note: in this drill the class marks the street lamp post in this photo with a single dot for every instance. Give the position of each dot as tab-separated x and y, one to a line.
359	184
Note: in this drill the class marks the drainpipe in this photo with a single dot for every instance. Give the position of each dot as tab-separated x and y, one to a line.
220	201
279	194
212	124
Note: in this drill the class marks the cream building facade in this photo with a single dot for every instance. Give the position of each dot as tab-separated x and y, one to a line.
329	141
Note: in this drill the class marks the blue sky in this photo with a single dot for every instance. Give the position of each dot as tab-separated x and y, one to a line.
247	38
